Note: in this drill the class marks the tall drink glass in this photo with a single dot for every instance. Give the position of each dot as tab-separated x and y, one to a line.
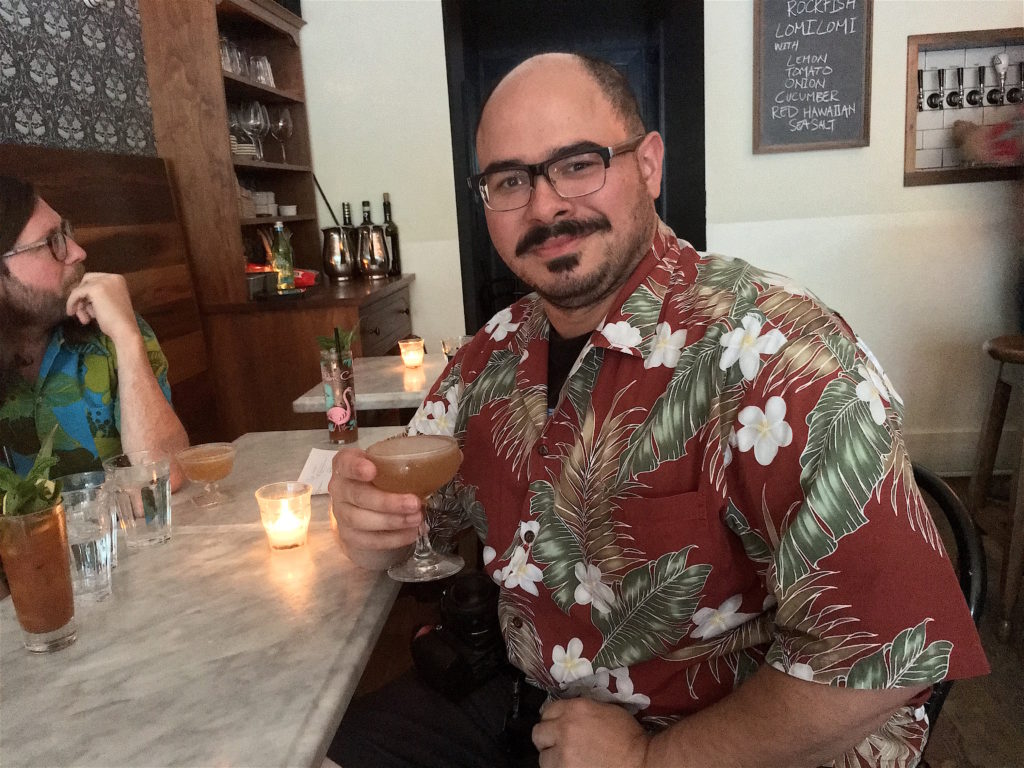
418	464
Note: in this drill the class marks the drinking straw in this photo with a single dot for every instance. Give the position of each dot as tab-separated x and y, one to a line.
337	342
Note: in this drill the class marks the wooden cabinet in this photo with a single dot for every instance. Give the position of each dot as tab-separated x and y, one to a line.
262	354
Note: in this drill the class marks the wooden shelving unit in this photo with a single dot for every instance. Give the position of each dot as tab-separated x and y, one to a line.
263	354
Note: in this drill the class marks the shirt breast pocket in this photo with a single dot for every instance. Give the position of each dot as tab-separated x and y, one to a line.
665	523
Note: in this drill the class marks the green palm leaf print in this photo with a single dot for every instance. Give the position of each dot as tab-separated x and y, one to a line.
680	411
495	382
580	385
906	662
557	546
842	464
652	612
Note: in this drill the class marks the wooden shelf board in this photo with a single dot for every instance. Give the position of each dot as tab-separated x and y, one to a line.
262	165
271	219
240	87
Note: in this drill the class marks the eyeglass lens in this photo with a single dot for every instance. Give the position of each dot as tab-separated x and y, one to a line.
58	241
572	176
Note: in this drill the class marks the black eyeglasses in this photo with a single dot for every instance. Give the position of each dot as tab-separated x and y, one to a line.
57	243
570	174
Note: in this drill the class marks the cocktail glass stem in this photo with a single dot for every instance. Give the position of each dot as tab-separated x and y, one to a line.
284	157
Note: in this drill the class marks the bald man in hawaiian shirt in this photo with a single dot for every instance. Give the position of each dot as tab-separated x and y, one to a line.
709	543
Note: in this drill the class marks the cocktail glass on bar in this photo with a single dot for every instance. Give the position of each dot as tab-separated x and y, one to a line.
208	464
418	464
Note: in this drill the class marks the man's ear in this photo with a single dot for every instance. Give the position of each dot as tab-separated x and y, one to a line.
650	155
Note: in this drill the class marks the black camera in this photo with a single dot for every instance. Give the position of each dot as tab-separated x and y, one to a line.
466	649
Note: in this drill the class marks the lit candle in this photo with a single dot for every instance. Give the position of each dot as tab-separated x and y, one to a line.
285	511
412	352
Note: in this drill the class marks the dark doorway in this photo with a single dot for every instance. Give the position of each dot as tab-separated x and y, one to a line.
657	44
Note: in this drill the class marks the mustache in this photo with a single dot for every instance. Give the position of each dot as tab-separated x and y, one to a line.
571	227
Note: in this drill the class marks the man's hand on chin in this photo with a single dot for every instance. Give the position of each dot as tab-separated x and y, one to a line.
588	734
104	297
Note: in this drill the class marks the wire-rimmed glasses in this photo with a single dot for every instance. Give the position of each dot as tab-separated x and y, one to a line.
57	242
572	173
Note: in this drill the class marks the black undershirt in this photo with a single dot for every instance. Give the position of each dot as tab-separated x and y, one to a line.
562	354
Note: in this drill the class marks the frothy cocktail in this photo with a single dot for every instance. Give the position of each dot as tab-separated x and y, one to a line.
418	464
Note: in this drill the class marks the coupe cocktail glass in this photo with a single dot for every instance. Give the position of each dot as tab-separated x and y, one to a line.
418	464
208	464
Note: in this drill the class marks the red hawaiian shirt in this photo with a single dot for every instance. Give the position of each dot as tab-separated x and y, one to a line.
722	484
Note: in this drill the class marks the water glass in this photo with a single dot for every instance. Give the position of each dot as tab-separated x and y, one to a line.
87	515
85	481
141	485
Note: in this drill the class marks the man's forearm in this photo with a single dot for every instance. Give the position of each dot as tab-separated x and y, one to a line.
148	421
776	720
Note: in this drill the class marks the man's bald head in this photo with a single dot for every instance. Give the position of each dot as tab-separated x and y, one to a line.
611	83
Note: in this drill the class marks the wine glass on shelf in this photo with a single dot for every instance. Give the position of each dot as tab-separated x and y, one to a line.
256	124
281	128
418	464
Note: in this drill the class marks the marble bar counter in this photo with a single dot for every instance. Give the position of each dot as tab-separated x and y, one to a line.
213	649
381	383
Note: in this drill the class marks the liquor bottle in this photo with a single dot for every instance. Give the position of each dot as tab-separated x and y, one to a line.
391	236
349	231
284	264
373	255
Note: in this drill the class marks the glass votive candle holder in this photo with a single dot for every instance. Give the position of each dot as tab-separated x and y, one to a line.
412	352
285	509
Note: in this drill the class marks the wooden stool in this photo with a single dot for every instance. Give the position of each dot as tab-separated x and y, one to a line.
1008	350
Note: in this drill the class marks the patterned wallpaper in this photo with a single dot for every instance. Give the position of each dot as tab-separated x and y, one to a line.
72	75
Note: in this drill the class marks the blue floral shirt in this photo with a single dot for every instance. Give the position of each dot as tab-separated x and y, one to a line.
77	391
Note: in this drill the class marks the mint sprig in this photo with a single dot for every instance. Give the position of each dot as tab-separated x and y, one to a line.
36	491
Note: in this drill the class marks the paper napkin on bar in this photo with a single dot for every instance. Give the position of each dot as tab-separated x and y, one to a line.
317	470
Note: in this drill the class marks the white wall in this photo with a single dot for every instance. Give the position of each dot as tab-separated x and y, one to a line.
377	98
924	274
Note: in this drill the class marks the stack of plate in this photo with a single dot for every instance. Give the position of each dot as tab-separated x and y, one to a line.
242	149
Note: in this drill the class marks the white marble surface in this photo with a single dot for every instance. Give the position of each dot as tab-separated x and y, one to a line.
381	382
213	650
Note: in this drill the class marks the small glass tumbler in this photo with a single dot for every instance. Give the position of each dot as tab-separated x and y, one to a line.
285	509
90	482
412	351
452	344
141	485
87	515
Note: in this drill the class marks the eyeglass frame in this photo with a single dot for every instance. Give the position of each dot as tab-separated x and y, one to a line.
541	169
57	242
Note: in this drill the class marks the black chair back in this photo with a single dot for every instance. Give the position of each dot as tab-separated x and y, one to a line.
970	562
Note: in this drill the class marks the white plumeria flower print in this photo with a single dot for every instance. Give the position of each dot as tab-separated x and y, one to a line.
730	443
591	590
569	663
521	573
871	391
666	347
801	671
622	335
633	702
712	622
489	554
501	325
863	347
437	417
765	431
747	344
531	527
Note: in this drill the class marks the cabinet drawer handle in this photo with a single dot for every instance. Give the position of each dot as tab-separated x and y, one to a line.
375	331
404	311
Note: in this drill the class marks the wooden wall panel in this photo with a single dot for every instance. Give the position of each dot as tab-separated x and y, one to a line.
277	357
124	215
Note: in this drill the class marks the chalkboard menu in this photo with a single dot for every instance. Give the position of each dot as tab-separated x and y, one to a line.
812	74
